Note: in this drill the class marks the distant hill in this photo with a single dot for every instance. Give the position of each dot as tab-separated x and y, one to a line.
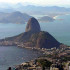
32	9
32	37
15	17
46	19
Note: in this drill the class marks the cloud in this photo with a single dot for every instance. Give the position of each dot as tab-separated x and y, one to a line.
40	2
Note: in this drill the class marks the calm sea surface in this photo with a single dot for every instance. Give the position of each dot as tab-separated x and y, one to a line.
10	56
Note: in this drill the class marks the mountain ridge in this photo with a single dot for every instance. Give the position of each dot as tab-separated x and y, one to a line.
14	17
31	8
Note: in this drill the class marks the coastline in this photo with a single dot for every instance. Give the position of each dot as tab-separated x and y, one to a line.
33	48
19	66
55	17
33	63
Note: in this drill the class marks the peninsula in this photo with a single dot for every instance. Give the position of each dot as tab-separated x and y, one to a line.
33	37
14	17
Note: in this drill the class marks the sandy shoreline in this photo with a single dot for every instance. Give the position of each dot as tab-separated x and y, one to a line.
55	17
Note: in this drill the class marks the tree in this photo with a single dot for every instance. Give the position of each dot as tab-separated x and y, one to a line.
44	63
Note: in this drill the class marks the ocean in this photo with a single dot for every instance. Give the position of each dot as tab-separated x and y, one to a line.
10	56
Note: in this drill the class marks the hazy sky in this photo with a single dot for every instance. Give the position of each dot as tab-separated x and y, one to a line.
41	2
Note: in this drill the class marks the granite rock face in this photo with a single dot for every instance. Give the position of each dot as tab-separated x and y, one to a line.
45	40
33	25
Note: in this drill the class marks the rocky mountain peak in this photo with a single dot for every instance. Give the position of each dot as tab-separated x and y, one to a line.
33	25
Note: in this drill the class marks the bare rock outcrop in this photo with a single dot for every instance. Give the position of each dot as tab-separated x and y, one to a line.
33	25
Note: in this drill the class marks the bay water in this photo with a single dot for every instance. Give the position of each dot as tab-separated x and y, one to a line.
12	55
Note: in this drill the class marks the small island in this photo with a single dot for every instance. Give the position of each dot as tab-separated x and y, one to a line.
46	19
